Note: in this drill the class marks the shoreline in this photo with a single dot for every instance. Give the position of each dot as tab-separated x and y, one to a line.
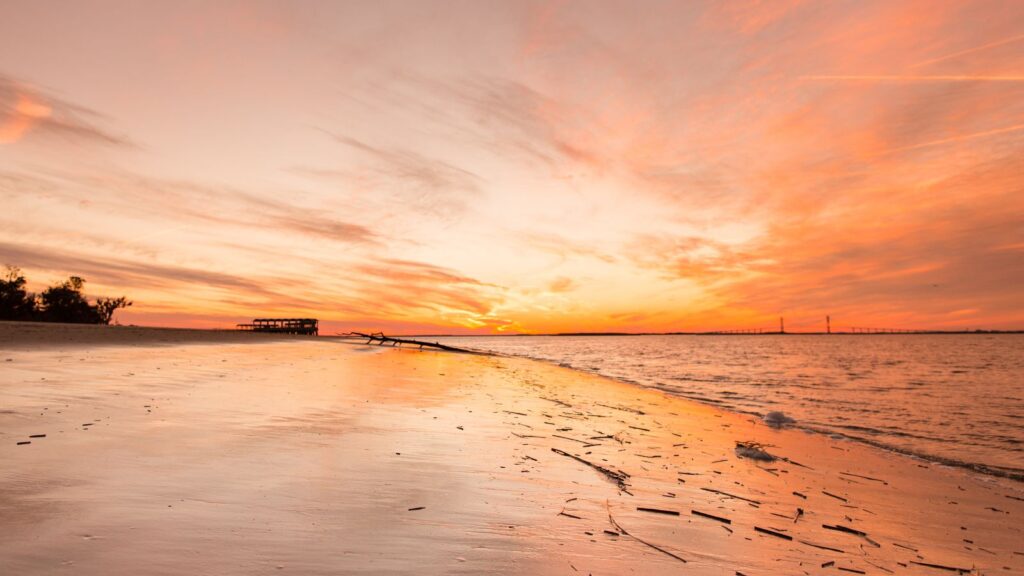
304	456
36	334
1008	473
1013	474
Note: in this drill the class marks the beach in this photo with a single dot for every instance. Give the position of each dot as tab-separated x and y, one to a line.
201	452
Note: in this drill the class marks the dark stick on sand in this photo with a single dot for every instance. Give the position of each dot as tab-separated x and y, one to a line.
657	511
839	528
619	478
941	567
710	516
773	533
822	546
622	408
623	532
714	491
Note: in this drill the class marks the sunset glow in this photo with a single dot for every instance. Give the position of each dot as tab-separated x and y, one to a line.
514	167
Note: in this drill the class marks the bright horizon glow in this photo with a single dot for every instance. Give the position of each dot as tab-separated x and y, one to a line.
517	167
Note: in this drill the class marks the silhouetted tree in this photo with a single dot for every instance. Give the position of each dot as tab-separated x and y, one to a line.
61	303
15	302
65	303
105	307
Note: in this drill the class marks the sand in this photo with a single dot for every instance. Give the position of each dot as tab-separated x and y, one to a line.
189	455
20	335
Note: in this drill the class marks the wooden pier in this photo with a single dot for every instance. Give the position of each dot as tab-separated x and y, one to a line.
304	326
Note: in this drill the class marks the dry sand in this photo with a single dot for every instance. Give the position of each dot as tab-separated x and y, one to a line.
308	456
19	335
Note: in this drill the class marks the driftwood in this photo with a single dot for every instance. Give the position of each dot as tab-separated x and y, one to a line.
773	533
657	511
821	546
855	532
623	532
840	528
864	477
568	438
622	408
941	567
754	451
619	478
381	339
711	516
714	491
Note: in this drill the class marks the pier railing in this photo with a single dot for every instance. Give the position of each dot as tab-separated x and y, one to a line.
305	326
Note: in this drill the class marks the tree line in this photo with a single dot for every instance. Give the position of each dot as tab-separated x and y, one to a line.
62	302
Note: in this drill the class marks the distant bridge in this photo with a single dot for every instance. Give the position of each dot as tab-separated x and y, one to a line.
851	330
861	330
745	331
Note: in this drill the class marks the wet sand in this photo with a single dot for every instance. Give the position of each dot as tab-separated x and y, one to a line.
319	457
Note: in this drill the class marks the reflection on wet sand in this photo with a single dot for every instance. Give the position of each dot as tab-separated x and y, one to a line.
324	458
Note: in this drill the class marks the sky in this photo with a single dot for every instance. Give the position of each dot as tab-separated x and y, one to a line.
520	167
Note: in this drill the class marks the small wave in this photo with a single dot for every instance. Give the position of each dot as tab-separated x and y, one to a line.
1007	472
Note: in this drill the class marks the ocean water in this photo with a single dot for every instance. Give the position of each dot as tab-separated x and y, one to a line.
956	399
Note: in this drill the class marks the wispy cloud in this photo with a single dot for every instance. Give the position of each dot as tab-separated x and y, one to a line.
113	271
403	285
562	247
916	78
562	284
956	139
430	186
28	111
966	51
134	195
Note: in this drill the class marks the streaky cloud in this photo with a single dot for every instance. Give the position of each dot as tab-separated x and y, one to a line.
27	111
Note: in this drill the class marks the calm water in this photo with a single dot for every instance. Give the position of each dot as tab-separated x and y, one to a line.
952	398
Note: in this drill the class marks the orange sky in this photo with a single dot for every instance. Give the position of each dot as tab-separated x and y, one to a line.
521	167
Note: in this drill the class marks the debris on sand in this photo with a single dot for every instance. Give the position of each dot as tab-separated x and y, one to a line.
618	477
773	533
754	451
657	511
622	531
777	419
711	516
